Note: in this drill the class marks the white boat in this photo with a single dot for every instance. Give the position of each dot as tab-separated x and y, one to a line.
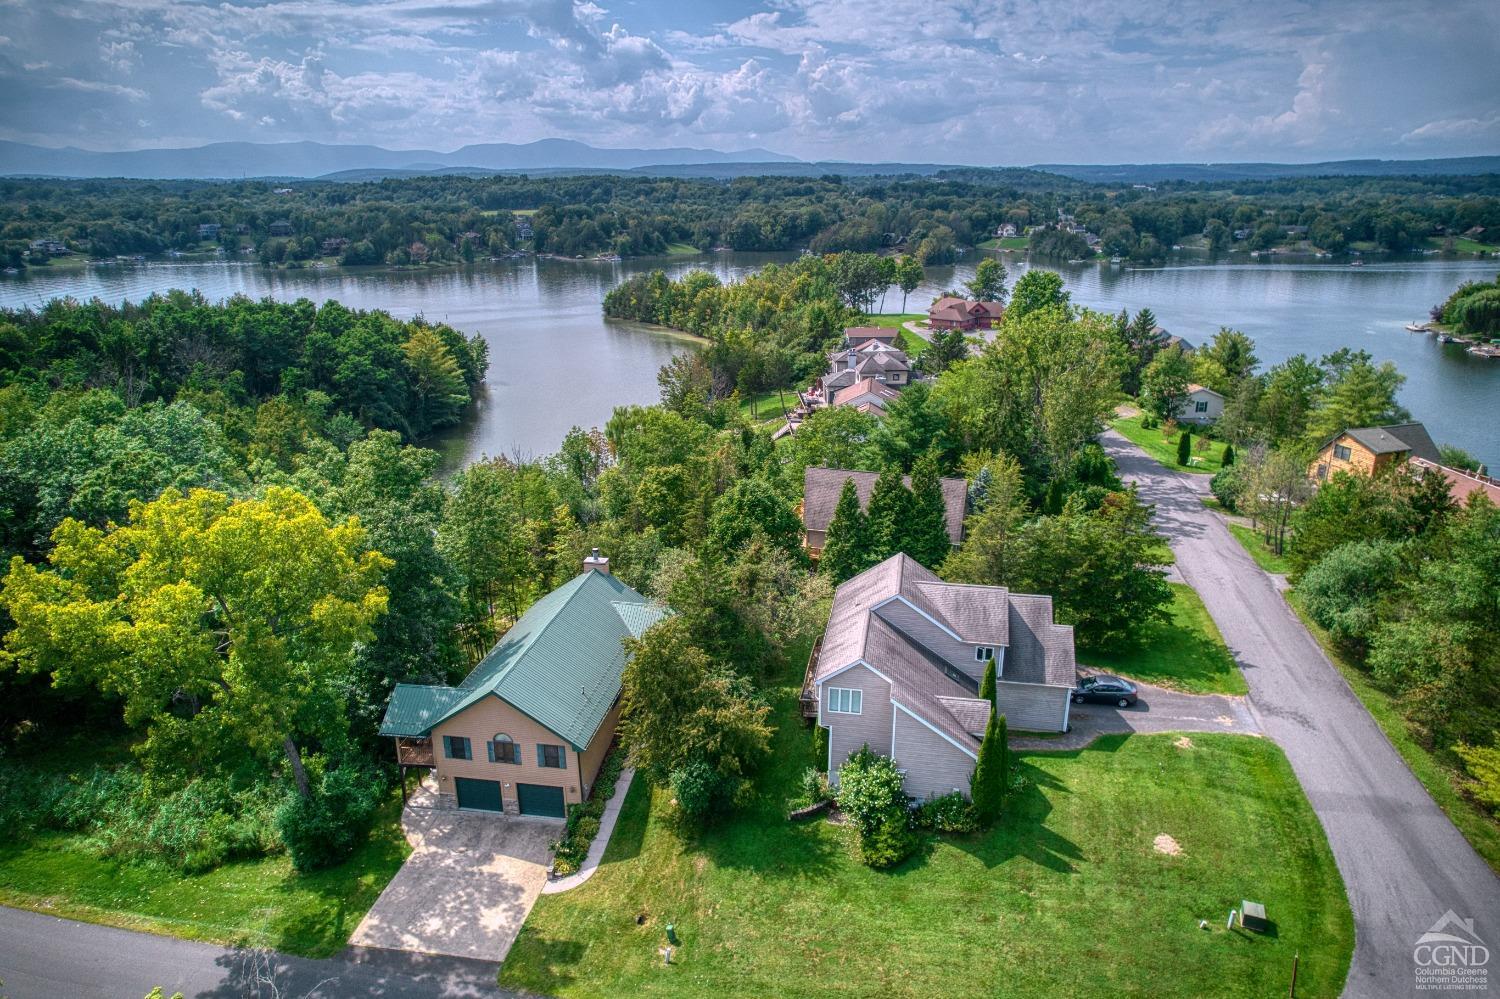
1416	327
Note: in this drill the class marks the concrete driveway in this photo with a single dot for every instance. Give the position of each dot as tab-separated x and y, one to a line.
468	886
1156	710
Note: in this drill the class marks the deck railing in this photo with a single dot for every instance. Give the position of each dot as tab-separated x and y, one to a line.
809	694
414	752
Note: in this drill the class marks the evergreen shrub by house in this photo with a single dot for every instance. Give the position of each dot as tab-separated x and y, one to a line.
947	813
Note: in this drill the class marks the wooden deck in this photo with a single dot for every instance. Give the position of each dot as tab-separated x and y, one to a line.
414	752
809	694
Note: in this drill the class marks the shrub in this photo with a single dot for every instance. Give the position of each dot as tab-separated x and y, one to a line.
324	828
1227	457
814	787
948	813
1483	766
820	747
1344	589
1148	422
1185	448
869	789
889	842
990	780
702	793
1225	485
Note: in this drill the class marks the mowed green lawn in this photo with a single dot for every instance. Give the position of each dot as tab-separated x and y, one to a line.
256	903
1068	897
1164	449
911	344
1187	653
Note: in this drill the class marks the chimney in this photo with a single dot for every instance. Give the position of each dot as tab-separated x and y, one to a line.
596	562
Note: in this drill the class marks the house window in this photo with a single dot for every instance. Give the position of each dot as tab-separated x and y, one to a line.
1342	453
555	757
503	749
984	654
1200	406
843	701
456	747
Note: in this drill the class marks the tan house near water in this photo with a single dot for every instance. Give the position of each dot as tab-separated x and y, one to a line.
1369	450
526	731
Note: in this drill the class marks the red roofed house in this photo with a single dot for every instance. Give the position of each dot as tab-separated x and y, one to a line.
949	313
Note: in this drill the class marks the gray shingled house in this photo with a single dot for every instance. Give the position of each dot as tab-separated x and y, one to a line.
900	663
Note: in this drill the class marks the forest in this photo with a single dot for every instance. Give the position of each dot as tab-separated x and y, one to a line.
452	219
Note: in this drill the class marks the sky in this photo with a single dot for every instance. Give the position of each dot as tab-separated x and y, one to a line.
1012	82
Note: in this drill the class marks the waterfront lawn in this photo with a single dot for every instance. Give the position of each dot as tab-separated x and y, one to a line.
1046	903
1187	653
1255	543
681	249
1164	449
1442	778
911	344
766	406
253	903
1008	243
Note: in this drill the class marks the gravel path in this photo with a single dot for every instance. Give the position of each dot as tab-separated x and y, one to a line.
1404	864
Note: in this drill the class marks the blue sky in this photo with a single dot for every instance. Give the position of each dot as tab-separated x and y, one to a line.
969	81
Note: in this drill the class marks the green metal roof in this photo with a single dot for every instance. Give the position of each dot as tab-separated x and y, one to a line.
560	663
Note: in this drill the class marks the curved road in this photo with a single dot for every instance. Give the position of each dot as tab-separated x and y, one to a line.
43	957
1404	864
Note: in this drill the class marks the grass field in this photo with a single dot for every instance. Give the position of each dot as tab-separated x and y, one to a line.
1060	899
1186	654
911	344
1441	780
681	249
1164	450
255	903
765	407
1008	243
1255	543
1462	244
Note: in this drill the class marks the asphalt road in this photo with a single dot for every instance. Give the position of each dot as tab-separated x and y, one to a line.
1404	864
43	957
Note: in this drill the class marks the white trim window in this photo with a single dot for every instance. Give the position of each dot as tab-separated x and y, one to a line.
984	653
845	701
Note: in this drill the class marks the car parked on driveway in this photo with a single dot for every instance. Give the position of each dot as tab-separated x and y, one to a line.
1104	689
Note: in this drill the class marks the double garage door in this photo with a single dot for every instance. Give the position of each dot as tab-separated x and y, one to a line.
484	795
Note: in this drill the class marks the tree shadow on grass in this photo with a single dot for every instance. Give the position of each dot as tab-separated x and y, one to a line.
767	843
630	827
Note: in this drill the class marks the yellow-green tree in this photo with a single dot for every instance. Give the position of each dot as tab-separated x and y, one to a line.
437	381
222	625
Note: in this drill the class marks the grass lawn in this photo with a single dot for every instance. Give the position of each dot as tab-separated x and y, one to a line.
256	902
681	249
911	344
1441	781
1186	654
1164	449
1255	543
767	408
1461	244
1008	243
1067	897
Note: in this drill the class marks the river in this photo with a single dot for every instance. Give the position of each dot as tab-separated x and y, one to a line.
556	362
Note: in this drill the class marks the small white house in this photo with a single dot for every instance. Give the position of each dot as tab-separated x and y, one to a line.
1203	405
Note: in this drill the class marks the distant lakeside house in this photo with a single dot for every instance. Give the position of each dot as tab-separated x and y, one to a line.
820	496
949	313
899	666
527	730
871	359
1201	406
1406	446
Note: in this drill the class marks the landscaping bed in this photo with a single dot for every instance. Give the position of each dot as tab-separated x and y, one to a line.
1075	876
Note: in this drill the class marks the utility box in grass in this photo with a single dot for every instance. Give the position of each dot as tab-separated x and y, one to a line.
1253	916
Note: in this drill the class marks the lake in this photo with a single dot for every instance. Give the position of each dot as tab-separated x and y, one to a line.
556	362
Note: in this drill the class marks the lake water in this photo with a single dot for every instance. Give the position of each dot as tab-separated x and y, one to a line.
556	362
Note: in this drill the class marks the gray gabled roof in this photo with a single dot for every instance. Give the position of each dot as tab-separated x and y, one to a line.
1394	438
821	488
560	664
1037	649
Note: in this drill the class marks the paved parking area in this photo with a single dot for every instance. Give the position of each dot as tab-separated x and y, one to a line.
468	886
1156	710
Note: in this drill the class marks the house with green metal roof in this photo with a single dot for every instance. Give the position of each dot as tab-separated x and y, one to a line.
527	729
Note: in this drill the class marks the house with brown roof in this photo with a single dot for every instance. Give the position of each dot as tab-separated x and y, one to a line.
1368	450
899	666
820	495
871	359
867	395
1462	483
949	313
856	335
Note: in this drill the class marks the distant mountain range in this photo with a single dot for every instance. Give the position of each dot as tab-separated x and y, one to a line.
233	160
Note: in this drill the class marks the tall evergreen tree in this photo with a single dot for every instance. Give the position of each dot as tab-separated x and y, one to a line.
987	686
926	534
1185	447
890	510
846	547
987	785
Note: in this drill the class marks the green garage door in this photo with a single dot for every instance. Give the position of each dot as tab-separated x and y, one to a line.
481	794
538	799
